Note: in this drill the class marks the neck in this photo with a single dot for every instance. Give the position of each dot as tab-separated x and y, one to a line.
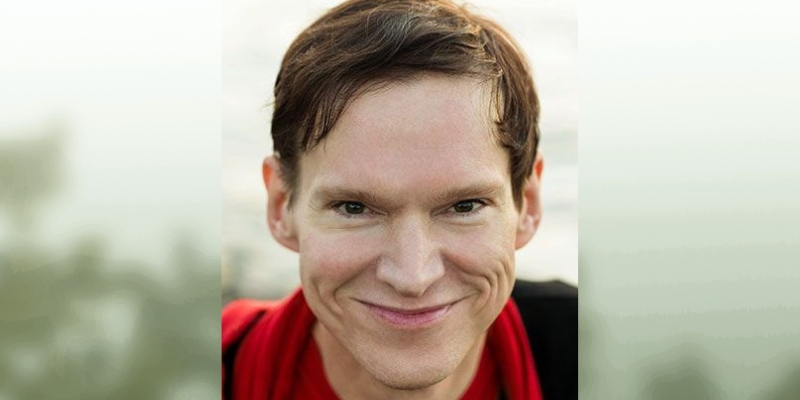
352	382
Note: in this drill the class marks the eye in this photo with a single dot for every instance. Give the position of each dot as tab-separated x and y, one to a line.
467	206
350	208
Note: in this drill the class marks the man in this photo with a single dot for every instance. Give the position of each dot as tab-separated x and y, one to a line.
405	175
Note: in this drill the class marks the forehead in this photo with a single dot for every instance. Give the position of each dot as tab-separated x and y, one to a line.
431	131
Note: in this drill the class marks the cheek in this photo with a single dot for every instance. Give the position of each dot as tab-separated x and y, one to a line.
484	257
331	259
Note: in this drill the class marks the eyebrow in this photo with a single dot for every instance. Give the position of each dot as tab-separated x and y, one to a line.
483	190
490	190
341	193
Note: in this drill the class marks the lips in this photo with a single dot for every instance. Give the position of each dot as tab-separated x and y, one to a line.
410	318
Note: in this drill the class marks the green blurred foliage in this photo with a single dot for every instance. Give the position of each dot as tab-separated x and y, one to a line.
686	368
788	386
30	175
80	324
686	378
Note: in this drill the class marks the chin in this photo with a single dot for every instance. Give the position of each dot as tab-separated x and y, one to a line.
409	371
415	378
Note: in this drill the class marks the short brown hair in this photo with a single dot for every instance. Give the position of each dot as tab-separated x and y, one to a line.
364	42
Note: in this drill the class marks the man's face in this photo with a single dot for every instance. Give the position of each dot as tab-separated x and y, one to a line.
406	229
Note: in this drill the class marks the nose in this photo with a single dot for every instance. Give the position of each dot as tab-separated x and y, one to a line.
412	261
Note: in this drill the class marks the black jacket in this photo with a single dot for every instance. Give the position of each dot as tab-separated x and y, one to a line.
550	313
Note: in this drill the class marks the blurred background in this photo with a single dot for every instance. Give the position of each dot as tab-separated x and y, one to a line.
690	202
109	200
110	204
255	35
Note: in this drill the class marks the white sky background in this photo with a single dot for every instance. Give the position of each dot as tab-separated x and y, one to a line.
256	33
135	86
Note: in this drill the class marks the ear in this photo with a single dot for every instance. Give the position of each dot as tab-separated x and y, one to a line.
279	217
531	210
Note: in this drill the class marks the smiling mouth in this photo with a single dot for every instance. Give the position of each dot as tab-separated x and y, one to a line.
410	318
